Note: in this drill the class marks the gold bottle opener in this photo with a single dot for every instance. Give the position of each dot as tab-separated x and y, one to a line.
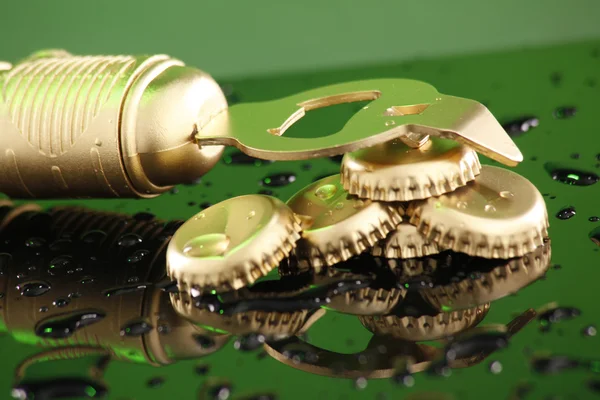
135	126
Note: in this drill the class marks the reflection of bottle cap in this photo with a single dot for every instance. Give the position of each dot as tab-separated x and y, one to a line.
425	327
393	171
231	244
500	215
339	225
405	242
502	279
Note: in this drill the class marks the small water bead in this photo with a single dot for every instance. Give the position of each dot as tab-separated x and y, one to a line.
566	213
21	275
339	206
251	214
220	391
489	208
278	180
390	123
495	367
202	369
64	326
137	256
61	245
133	279
205	342
34	289
35	242
506	194
594	219
60	302
461	205
571	176
129	240
136	328
94	236
326	192
565	112
43	309
521	125
590	331
87	280
155	382
209	245
61	262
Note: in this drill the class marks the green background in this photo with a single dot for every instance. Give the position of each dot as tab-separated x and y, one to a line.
241	41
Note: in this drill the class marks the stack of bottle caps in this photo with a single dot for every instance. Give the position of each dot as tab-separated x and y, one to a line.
441	236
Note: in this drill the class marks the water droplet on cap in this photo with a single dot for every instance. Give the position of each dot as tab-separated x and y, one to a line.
129	240
209	245
461	205
326	192
390	123
34	289
506	194
489	208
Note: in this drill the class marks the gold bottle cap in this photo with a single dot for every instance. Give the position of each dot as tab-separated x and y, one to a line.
394	171
405	242
426	327
506	278
338	225
500	215
231	244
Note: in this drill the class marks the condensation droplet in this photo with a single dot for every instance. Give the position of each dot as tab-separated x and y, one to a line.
251	214
489	208
98	142
339	206
390	123
461	204
326	192
209	245
506	194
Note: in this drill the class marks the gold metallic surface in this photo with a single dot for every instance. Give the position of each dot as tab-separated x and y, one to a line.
405	242
397	108
103	126
339	225
231	244
499	215
426	327
502	281
393	171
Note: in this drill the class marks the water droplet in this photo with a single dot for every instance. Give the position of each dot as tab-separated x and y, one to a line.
144	216
557	314
125	289
495	367
566	213
87	280
205	205
553	365
133	279
209	245
326	192
155	382
98	142
137	256
594	219
74	295
205	342
65	326
565	112
220	391
163	329
404	379
129	240
21	275
94	236
251	214
43	309
489	208
61	302
249	342
461	205
33	289
60	263
358	204
360	383
571	176
575	156
589	331
237	157
199	216
65	388
278	180
136	328
35	242
202	369
339	206
365	108
438	204
520	125
390	123
506	194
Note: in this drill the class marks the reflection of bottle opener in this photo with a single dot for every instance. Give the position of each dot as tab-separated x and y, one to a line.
125	126
383	357
76	279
